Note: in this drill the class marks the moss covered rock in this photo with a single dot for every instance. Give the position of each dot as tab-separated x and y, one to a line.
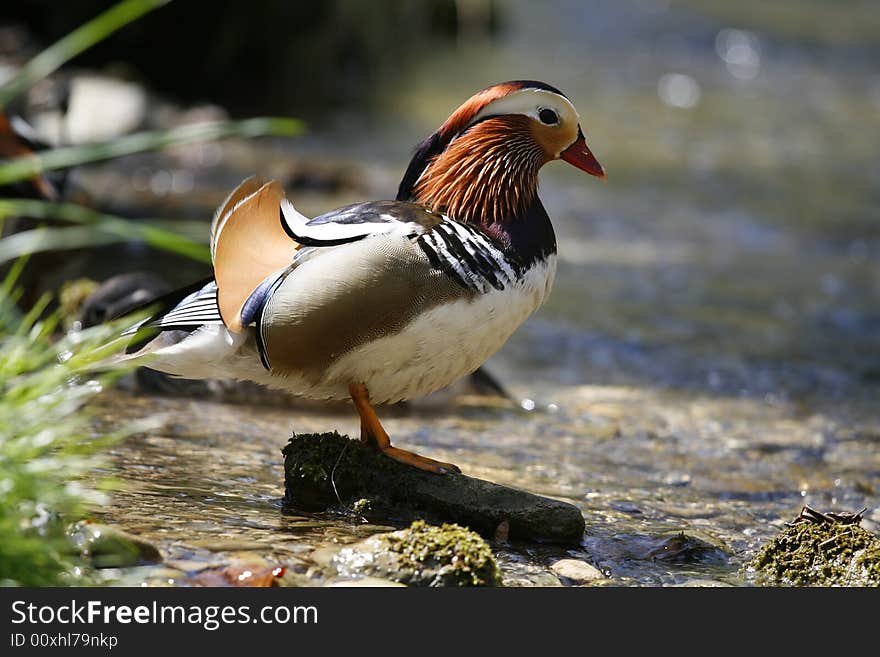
823	553
72	297
422	555
332	472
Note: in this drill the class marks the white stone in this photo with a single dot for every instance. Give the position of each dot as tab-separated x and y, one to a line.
100	108
577	571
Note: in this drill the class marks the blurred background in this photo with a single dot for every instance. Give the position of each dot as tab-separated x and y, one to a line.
714	329
733	245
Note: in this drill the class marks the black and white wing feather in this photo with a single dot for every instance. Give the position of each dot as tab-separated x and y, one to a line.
197	307
461	251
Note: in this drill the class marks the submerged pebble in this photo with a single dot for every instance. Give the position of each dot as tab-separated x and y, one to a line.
365	582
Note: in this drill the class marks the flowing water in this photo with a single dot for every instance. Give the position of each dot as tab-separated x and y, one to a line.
709	360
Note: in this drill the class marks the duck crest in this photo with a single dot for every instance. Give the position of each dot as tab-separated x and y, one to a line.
455	124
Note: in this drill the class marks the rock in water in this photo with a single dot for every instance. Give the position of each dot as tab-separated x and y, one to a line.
332	472
690	547
820	549
109	547
422	555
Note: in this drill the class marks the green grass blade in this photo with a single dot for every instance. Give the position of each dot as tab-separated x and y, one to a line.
82	38
33	315
8	285
95	229
22	168
51	239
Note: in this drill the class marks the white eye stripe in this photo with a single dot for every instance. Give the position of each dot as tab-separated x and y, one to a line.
530	102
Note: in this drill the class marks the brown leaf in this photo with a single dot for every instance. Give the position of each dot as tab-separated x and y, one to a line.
239	575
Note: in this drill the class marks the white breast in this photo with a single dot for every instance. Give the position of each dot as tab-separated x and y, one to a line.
442	344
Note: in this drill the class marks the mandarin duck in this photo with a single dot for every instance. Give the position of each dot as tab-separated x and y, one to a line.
383	301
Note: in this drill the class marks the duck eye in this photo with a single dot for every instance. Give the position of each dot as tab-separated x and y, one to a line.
548	116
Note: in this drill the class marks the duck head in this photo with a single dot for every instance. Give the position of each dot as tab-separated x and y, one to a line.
482	165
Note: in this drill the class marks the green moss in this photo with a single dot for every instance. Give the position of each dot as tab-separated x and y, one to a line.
311	472
314	457
461	557
826	554
866	566
362	507
73	295
329	471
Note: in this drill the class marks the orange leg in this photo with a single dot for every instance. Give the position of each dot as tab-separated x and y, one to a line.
373	433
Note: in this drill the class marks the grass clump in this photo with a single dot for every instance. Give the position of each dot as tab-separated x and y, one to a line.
47	445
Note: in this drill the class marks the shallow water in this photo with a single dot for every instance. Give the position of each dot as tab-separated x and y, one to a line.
709	360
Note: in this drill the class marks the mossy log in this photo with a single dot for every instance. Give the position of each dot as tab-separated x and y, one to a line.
333	472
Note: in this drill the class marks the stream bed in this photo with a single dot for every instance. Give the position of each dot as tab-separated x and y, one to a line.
709	359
